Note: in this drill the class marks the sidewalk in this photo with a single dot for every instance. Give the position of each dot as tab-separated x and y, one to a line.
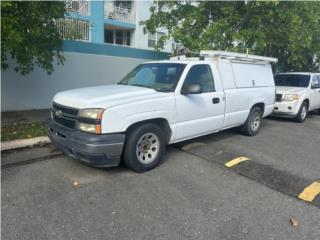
24	116
27	133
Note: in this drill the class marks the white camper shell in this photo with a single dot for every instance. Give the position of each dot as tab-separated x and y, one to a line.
238	70
160	103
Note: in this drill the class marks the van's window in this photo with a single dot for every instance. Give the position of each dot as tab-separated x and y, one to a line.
200	74
292	80
162	77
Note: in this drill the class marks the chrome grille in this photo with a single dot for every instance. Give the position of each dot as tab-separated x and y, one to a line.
64	115
278	97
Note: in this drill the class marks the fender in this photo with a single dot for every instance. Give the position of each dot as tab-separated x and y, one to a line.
120	118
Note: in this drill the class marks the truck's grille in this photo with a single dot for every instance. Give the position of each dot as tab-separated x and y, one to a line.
278	97
65	116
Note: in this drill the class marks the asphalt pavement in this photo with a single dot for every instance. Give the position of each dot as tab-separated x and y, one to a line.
192	195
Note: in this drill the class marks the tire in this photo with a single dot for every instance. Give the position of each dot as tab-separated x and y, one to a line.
253	123
303	112
144	148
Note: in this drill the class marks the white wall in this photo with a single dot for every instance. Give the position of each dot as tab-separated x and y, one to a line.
36	90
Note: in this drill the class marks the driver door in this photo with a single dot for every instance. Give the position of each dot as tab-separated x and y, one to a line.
201	113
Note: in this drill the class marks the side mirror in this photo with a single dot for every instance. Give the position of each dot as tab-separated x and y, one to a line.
194	88
315	86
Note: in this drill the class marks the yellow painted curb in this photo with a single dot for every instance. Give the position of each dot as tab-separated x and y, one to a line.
236	161
310	192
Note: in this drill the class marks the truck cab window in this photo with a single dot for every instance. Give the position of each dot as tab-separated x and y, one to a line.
201	74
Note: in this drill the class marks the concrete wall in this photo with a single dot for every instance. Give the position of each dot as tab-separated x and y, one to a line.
36	90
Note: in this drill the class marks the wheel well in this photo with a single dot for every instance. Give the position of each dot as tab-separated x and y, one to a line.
161	122
260	105
307	101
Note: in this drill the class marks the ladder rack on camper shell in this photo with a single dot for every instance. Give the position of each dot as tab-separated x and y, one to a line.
232	56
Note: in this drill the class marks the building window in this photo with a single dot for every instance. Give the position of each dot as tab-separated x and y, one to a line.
108	36
73	29
78	6
153	39
119	37
123	4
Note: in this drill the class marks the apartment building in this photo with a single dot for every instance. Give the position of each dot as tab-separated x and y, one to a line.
110	22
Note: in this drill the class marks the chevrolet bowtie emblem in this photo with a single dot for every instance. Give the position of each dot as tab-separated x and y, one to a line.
58	114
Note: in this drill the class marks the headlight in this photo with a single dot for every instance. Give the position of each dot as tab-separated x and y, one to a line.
91	113
90	120
290	97
91	128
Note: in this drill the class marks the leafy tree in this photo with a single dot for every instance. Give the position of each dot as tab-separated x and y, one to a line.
29	34
289	31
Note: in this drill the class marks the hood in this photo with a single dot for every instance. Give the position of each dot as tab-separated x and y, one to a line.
290	90
104	96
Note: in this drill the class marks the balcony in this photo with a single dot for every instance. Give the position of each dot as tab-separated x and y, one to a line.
77	6
119	14
73	29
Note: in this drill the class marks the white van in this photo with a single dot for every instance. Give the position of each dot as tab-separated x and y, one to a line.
160	103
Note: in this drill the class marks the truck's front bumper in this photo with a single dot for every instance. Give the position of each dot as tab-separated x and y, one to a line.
96	150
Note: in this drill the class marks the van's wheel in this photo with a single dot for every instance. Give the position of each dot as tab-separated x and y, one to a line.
303	112
144	147
253	123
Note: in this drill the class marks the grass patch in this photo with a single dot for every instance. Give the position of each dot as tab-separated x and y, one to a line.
22	131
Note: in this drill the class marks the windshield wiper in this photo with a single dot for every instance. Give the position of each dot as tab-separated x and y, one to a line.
163	90
144	86
140	85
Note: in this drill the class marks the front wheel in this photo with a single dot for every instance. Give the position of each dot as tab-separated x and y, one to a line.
302	114
253	123
144	148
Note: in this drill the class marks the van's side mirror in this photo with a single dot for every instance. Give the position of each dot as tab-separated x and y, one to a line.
194	88
315	86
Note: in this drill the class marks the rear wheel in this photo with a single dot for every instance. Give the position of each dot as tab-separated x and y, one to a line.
303	112
253	123
144	148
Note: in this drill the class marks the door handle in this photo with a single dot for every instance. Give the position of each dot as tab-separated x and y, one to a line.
215	100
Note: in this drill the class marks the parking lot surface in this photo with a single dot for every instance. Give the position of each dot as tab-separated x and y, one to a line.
282	143
192	195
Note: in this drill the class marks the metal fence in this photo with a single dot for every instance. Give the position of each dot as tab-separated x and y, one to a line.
73	29
79	6
119	13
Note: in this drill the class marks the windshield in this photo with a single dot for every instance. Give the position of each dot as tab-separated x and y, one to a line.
292	80
162	77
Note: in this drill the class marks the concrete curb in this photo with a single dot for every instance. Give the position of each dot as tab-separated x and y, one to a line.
8	145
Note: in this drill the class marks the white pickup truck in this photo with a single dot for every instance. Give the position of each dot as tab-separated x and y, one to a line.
160	103
297	93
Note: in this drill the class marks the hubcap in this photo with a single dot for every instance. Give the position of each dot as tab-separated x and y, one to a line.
147	148
255	121
304	112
